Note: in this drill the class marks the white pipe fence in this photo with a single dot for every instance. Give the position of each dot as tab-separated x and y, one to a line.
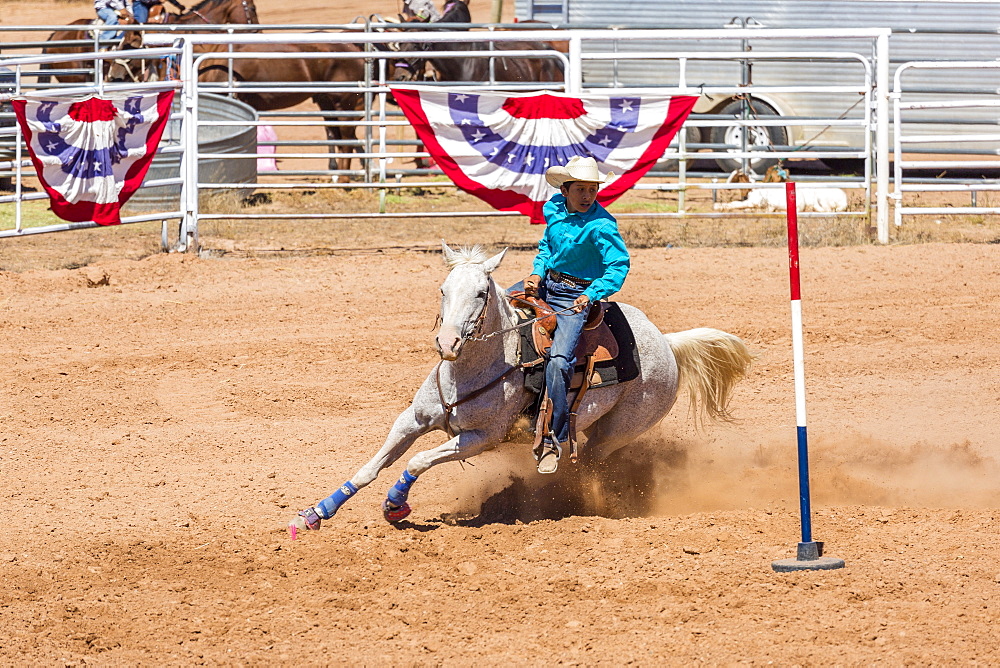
869	86
906	100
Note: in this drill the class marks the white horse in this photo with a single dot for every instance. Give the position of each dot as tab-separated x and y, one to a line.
476	391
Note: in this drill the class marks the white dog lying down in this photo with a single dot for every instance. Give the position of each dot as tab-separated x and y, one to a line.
826	200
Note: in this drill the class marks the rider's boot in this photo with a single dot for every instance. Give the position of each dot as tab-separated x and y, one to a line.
547	454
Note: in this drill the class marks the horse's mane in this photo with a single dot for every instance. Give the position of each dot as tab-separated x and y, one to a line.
456	12
466	255
201	5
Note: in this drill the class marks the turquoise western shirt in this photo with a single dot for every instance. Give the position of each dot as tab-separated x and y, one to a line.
585	245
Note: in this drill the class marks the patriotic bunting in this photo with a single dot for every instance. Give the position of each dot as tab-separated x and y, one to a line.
91	154
498	146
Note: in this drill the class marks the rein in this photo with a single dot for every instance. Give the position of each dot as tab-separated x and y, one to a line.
474	335
526	323
448	406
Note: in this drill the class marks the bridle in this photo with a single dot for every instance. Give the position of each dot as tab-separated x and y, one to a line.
415	65
527	323
477	325
406	66
475	334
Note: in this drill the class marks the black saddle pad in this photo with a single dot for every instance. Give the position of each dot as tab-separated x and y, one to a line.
623	368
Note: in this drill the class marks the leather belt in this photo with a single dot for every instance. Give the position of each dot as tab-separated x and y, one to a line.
560	277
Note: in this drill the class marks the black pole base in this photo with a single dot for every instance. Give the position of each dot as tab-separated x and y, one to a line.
809	557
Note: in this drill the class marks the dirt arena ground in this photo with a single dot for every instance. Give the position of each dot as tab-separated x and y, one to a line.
164	415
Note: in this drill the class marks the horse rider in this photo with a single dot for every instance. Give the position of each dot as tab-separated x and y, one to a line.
422	10
107	11
581	259
140	9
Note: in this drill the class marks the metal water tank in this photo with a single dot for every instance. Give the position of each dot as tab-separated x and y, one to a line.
211	139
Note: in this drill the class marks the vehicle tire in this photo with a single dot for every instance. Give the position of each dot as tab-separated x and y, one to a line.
692	135
761	136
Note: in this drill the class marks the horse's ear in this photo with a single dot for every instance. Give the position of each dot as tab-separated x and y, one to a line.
494	262
449	254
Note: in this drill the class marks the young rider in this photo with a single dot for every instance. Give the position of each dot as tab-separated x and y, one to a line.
581	259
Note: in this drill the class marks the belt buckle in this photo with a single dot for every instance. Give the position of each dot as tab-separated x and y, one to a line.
565	279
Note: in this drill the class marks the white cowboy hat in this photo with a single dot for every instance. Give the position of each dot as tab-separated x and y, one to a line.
577	169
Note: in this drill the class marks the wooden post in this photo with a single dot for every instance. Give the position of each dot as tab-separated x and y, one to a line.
496	14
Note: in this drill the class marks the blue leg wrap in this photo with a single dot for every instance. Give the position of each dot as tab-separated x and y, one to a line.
329	506
398	492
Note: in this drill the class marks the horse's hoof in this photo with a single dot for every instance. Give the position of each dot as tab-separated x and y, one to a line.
395	513
305	520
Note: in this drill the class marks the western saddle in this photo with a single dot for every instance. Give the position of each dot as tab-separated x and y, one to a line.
597	344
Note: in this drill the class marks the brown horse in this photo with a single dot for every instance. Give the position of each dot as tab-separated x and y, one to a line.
84	43
477	69
73	42
123	69
300	70
215	12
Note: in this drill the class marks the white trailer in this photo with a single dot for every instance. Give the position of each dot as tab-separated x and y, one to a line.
922	30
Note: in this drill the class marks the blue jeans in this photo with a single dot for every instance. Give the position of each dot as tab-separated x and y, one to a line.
109	17
562	358
140	10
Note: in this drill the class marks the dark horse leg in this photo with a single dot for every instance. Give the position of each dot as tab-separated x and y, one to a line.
340	158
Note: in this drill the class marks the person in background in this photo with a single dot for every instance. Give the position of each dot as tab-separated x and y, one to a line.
424	10
140	9
581	259
107	11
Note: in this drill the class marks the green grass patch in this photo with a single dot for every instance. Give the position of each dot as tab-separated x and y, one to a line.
33	214
643	207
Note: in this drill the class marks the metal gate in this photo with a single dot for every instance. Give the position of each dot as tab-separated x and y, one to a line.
586	50
912	103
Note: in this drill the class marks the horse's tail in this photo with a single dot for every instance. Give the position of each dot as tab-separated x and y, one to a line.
709	364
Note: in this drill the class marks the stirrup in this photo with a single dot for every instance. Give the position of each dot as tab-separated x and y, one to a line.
549	444
548	454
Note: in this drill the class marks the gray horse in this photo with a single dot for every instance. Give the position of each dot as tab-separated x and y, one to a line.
476	392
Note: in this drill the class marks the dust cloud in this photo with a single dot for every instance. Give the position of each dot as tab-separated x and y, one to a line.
657	476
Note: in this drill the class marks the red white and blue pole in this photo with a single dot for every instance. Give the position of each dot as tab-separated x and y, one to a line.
809	553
